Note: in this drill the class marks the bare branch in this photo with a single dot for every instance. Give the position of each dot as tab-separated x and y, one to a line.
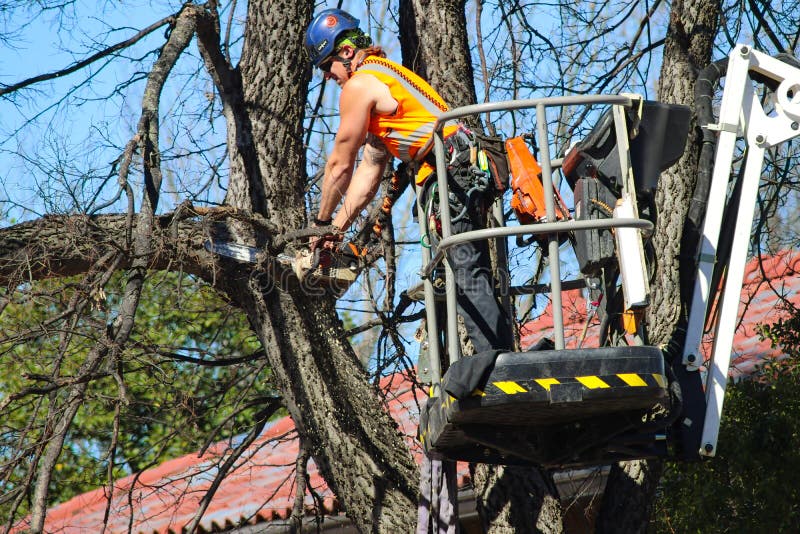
261	419
88	61
301	483
781	47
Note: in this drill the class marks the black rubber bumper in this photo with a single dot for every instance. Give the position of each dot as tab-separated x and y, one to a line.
553	408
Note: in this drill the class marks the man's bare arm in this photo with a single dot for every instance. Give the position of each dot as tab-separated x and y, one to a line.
355	106
365	182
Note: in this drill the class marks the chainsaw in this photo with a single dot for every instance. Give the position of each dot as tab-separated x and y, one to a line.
335	270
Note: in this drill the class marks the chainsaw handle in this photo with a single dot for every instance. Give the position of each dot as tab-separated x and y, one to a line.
316	257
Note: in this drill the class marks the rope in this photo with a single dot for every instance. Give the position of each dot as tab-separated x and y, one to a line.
603	205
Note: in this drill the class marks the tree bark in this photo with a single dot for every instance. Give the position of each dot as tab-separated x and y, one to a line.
63	246
434	43
628	497
339	415
687	49
513	499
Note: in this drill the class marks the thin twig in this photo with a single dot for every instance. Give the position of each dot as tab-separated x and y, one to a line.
88	61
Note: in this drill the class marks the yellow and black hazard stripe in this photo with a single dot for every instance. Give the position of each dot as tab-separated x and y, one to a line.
620	380
541	387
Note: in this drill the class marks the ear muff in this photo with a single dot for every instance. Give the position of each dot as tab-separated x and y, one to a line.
361	40
356	39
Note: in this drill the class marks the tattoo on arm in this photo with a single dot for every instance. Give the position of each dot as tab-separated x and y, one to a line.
375	151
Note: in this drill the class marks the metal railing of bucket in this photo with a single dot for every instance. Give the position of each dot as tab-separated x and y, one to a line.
431	257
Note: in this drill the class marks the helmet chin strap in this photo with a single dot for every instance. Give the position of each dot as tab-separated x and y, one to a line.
348	62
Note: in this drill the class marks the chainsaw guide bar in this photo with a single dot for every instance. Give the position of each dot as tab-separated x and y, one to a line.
331	270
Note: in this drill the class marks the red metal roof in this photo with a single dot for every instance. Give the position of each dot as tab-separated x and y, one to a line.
767	288
261	487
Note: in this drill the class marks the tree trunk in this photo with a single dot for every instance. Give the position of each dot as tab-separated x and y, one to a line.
693	24
353	440
687	50
433	39
628	498
513	499
337	412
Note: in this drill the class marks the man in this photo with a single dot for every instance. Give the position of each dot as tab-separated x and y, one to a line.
389	110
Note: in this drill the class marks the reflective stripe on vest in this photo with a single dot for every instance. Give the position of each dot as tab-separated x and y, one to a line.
408	141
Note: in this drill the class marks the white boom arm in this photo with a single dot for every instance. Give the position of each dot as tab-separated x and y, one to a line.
741	113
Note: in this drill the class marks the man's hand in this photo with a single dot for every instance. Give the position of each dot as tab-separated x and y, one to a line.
329	238
329	241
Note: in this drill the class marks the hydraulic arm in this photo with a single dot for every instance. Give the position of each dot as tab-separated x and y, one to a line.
741	115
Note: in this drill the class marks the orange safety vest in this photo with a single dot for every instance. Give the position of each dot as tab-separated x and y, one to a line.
407	132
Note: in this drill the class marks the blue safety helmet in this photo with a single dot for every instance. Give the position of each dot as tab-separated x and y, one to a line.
323	31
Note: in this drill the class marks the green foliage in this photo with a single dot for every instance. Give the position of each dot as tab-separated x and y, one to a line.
751	485
785	333
160	400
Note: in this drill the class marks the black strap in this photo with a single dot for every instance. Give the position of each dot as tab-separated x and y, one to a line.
450	144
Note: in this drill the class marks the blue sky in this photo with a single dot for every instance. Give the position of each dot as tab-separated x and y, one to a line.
74	127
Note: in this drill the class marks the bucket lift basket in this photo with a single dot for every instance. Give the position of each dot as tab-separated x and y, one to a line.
560	407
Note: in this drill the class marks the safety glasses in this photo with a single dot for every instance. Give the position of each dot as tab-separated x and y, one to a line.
326	65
